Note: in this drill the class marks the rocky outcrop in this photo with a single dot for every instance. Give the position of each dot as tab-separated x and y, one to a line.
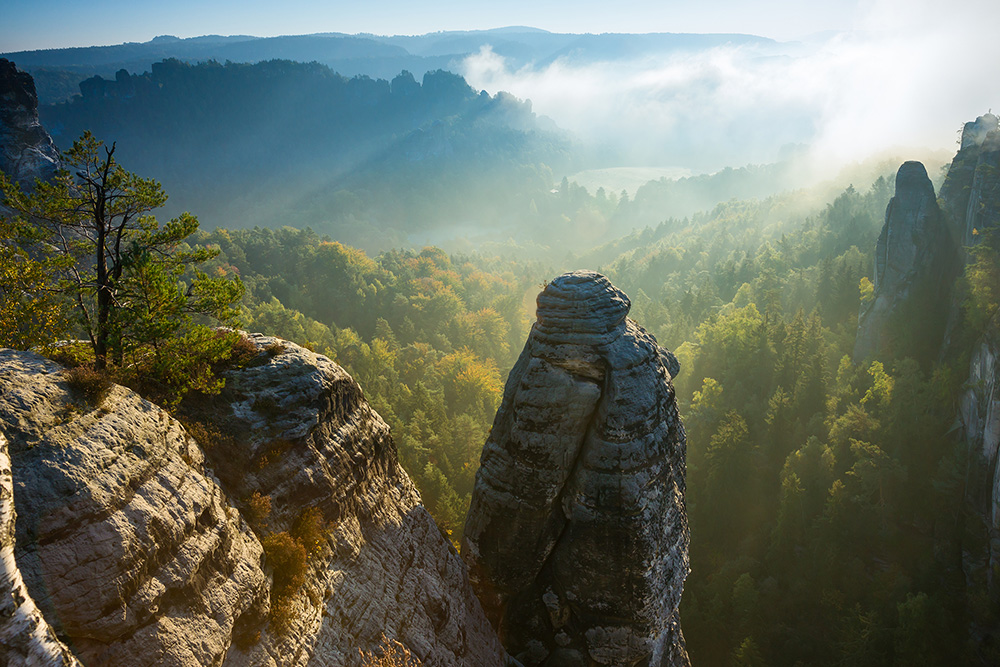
305	437
132	537
577	536
970	193
25	636
915	265
125	542
26	149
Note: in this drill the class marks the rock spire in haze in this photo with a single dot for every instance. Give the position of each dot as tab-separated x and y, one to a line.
26	149
577	536
915	265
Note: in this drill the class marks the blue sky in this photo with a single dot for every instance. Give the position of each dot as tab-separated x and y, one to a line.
36	24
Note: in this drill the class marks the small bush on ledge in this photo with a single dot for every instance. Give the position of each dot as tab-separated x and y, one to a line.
94	384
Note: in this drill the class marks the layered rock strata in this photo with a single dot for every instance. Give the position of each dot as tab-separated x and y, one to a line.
306	437
577	536
125	542
915	265
132	540
26	149
971	195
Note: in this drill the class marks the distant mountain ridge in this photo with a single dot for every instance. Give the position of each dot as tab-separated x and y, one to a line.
362	54
283	142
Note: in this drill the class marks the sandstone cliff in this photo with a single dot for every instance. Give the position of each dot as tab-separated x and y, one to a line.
971	195
26	149
577	536
918	257
125	542
132	537
915	266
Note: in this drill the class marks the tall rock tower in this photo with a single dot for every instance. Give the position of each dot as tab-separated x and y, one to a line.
577	537
916	261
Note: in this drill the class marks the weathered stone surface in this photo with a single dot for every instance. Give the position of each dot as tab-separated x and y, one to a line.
577	536
307	438
26	149
915	264
25	636
125	542
970	191
135	555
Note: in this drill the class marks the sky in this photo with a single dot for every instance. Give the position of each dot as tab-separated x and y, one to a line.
42	24
869	75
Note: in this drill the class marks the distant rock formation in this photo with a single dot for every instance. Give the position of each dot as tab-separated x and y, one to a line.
131	540
26	149
915	266
577	537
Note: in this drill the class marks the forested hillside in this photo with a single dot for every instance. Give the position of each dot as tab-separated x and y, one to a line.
825	497
369	160
429	337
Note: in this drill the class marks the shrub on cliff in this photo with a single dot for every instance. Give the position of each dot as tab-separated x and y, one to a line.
82	256
287	558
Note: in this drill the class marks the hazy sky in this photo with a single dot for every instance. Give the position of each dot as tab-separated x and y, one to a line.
888	72
908	74
37	24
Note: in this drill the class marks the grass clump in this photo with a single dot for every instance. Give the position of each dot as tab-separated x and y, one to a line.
258	509
288	555
311	530
93	384
70	354
389	653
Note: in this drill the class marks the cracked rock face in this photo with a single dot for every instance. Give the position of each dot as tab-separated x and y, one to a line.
577	536
306	437
970	193
26	149
25	636
126	544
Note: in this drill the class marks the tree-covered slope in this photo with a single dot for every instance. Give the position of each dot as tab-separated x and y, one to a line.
281	142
